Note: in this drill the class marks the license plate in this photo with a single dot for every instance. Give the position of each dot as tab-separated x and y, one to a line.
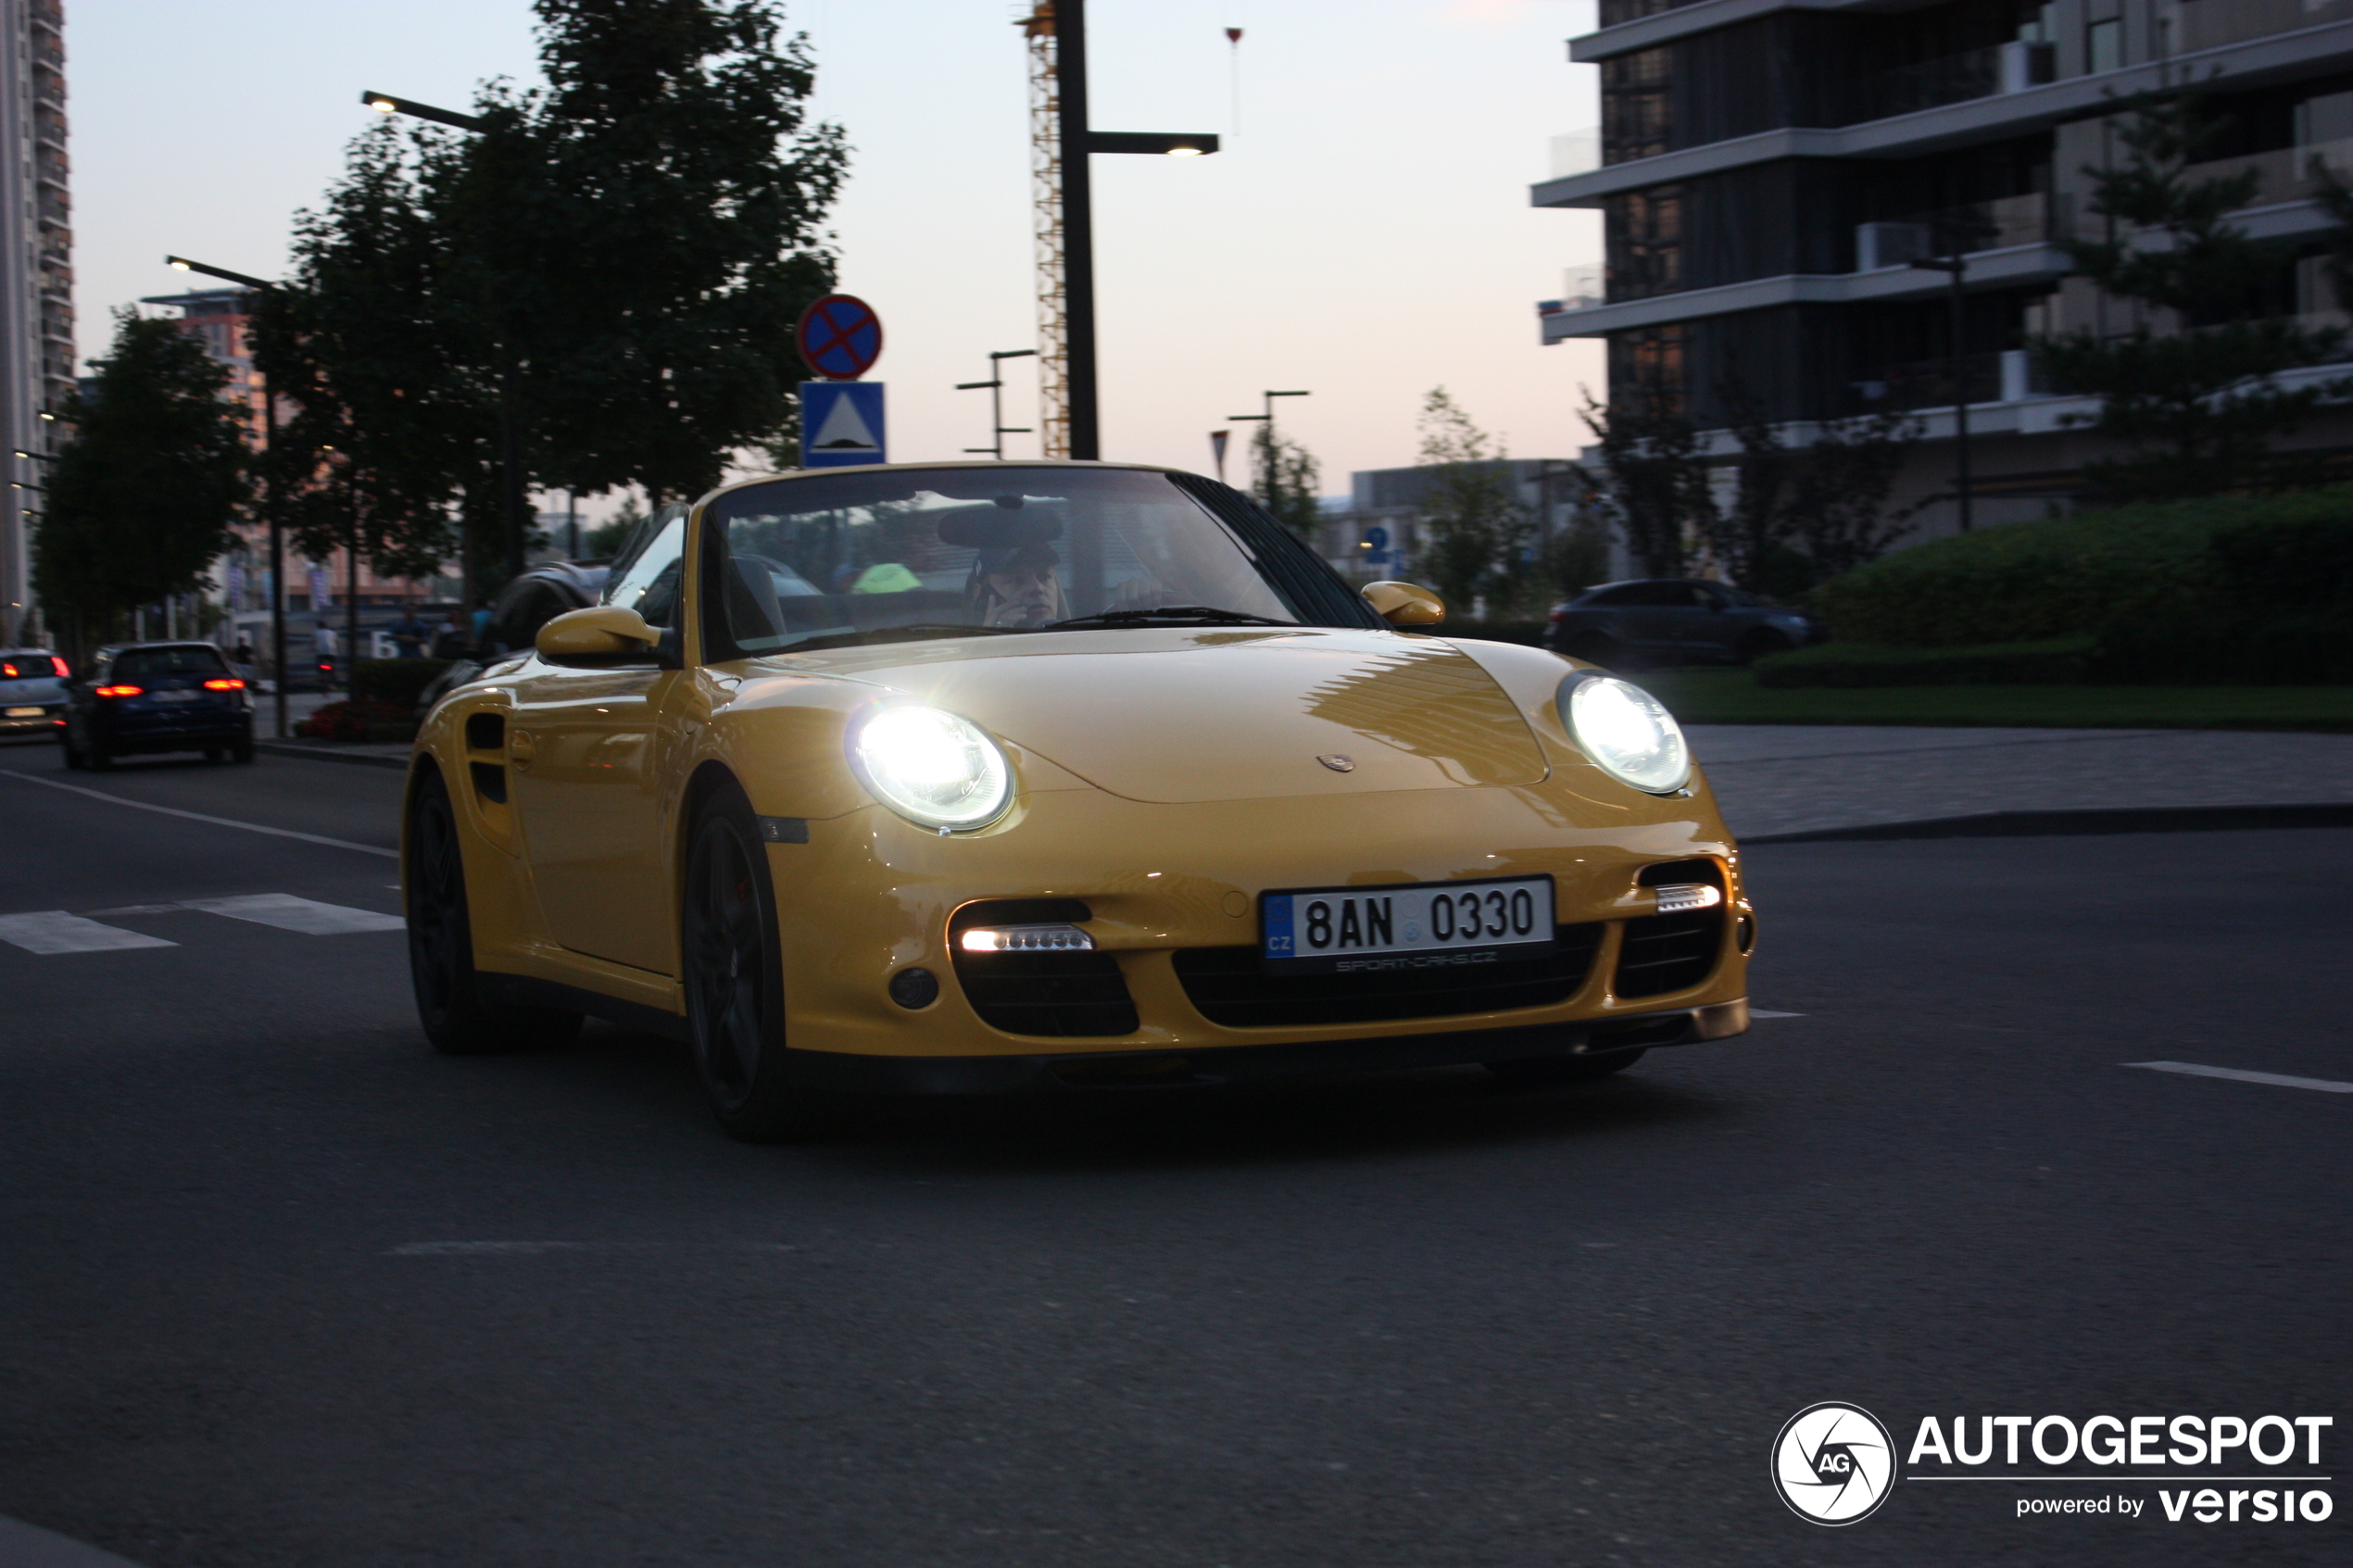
24	713
177	696
1414	925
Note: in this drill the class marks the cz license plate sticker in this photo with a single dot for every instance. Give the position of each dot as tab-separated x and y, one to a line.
1410	927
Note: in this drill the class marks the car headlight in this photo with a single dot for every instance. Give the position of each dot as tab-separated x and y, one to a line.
1625	730
931	767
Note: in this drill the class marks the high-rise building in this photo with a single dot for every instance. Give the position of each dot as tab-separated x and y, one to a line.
36	277
1767	171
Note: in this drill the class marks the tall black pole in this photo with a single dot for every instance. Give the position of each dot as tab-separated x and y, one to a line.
277	553
1960	392
1078	237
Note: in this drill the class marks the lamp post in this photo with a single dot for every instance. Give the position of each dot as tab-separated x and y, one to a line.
1267	418
998	428
513	497
1078	241
1954	267
269	497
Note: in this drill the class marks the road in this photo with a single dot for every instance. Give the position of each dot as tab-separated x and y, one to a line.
280	1287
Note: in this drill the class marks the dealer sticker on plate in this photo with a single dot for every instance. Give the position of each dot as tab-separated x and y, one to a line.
1415	926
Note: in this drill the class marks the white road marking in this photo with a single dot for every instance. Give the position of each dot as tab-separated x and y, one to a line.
483	1249
1760	1013
289	913
2326	1086
54	931
200	817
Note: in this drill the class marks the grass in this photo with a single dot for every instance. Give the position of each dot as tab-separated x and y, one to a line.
1732	697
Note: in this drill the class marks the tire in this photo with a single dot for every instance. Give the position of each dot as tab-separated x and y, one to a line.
441	952
1542	1072
733	967
75	759
98	759
1597	647
241	750
1760	643
214	754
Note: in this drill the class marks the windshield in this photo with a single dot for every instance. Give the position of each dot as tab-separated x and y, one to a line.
898	553
154	664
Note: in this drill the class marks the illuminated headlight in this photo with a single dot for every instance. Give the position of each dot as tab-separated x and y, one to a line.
931	767
1625	730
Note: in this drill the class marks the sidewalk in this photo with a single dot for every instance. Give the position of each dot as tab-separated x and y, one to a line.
1775	779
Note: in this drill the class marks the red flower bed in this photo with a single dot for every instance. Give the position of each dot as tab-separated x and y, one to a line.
358	719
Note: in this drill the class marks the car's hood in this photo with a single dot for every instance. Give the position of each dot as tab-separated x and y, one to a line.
1225	714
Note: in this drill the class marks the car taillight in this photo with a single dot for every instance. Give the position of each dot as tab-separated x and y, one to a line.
228	684
63	673
118	691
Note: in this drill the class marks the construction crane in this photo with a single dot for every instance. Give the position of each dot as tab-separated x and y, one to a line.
1046	210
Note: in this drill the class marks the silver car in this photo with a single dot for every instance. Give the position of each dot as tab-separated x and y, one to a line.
32	691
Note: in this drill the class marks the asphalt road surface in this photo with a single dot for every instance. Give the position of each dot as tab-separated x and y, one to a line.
280	1286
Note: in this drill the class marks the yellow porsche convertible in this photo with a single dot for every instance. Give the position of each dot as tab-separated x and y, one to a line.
974	777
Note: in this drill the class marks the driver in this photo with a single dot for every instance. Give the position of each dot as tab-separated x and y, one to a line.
1017	586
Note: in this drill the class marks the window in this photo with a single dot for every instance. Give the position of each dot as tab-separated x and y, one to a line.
645	576
2103	46
151	664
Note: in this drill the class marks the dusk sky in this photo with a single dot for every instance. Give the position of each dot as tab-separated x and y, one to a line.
1366	236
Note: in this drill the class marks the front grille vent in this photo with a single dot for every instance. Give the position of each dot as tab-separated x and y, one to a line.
1663	953
1227	986
1049	993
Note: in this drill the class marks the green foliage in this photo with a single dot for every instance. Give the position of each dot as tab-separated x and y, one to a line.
2251	589
1473	526
397	682
2052	661
2197	406
1654	487
140	501
1295	476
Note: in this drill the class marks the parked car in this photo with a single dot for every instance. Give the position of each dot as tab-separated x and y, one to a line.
1676	621
32	691
157	697
522	608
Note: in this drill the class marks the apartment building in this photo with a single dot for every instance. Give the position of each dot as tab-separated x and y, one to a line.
36	281
1767	171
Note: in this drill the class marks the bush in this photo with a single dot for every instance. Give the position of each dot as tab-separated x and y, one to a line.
362	718
2053	661
397	682
2155	579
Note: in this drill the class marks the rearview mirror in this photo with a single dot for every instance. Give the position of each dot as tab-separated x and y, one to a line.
599	634
1404	604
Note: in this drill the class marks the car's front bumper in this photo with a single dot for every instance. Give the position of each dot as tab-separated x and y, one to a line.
843	1071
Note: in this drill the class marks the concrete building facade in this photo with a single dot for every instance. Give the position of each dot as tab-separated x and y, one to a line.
36	281
1769	170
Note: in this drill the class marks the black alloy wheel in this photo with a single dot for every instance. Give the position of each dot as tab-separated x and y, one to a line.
734	979
441	949
1541	1072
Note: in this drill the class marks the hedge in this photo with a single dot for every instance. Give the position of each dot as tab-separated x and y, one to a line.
2060	661
2154	581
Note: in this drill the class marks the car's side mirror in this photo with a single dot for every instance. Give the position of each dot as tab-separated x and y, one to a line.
599	634
1404	604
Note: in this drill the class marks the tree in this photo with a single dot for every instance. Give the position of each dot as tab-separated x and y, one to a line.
2197	406
1296	476
1653	485
1473	525
141	499
1837	510
1749	533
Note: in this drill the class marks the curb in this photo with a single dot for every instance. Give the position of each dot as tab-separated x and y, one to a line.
321	753
28	1545
2097	820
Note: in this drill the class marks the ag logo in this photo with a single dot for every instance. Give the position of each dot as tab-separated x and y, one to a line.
1833	1464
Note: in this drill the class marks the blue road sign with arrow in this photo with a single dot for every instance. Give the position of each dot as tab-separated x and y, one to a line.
841	424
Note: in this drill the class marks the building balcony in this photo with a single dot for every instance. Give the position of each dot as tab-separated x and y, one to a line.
1968	229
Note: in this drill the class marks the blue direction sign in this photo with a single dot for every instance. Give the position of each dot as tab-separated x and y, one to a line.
841	423
839	336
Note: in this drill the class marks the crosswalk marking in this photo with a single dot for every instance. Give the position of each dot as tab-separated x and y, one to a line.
54	931
289	913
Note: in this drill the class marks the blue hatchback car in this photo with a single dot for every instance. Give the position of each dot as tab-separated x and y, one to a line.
157	697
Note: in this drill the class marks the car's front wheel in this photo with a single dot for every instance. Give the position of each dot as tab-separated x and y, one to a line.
1763	643
734	979
1540	1071
441	947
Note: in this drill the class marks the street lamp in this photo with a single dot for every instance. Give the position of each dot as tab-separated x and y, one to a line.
1079	239
269	497
998	429
1954	266
384	103
1267	418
